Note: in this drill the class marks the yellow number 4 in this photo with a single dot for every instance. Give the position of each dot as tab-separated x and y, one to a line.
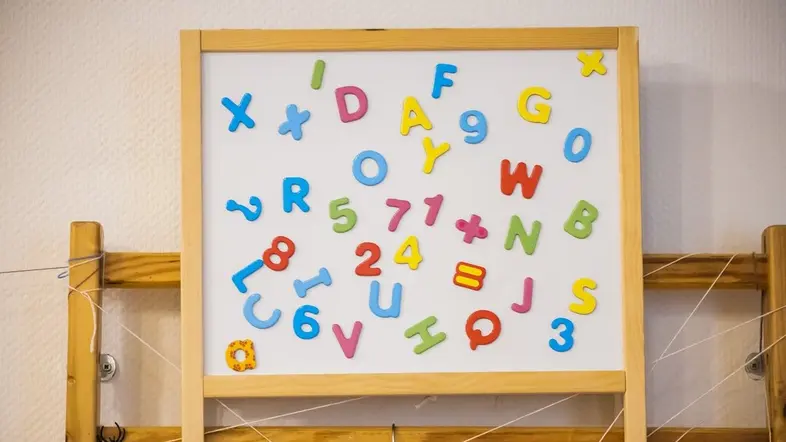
414	259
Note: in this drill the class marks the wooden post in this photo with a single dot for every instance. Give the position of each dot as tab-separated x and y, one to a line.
82	393
774	245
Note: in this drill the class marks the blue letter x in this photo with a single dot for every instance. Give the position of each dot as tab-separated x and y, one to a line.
294	122
238	112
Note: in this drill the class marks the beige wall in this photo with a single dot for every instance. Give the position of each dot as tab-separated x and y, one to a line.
89	130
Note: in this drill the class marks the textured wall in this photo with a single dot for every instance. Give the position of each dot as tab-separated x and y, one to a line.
89	130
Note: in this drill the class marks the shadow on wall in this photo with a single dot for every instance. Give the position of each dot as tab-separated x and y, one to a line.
676	125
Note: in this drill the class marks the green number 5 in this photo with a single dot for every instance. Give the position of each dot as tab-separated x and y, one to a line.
336	213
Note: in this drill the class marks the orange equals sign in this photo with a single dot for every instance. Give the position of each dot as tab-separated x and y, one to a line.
469	276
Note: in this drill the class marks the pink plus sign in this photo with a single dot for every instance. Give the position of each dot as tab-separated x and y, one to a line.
472	229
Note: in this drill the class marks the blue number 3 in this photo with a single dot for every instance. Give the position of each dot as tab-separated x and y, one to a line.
566	334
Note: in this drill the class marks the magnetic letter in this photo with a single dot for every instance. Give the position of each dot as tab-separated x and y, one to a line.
527	303
395	305
432	153
591	63
247	347
299	197
341	101
348	345
527	241
571	139
302	287
543	110
357	168
408	121
439	78
427	339
509	180
319	72
580	291
584	214
476	337
239	278
294	123
248	313
238	111
250	215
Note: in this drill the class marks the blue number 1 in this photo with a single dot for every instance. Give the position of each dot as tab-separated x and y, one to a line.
566	334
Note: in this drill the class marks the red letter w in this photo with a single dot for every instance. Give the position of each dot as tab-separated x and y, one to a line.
528	182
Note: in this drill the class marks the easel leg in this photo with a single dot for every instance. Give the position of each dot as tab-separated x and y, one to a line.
82	392
774	245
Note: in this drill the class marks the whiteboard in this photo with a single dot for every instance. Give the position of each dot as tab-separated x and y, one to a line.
247	162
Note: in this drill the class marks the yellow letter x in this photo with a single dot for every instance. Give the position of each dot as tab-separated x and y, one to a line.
592	63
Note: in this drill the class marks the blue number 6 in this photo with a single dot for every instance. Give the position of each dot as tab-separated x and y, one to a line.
566	334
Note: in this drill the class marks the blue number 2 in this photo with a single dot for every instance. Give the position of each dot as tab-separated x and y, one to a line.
566	334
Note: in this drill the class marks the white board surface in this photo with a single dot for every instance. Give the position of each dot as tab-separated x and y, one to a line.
254	162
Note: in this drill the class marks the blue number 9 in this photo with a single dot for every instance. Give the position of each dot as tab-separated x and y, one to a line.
480	127
566	334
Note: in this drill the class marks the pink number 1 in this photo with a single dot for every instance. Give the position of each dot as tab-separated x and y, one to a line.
434	204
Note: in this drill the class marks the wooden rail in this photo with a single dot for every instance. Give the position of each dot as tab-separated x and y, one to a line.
753	271
448	434
747	271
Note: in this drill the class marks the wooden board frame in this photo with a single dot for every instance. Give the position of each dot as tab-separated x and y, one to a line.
630	381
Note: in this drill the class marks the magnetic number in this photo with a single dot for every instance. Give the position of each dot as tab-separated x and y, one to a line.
434	204
300	321
403	207
414	259
566	335
349	214
479	129
282	255
364	268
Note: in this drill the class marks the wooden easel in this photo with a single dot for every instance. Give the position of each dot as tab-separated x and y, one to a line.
765	272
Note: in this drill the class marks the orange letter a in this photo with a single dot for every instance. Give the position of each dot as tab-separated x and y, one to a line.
528	182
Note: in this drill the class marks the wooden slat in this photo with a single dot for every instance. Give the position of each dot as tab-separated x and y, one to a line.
748	271
82	398
414	383
774	243
142	270
635	417
446	434
192	414
231	40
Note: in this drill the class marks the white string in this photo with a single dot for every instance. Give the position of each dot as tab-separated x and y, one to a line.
716	385
521	417
292	413
652	368
612	424
669	264
709	338
685	434
425	400
697	305
85	294
83	261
